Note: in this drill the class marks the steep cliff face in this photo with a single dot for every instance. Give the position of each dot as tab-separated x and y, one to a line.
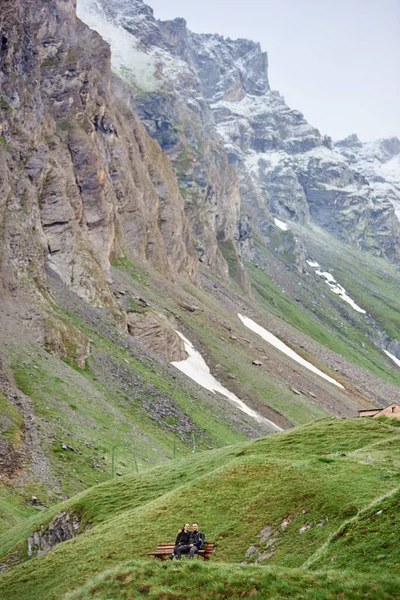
154	59
285	165
81	181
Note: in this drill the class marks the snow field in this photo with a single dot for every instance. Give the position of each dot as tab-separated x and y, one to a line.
281	225
277	343
197	369
394	358
335	286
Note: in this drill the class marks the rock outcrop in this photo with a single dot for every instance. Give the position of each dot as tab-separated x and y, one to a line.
156	333
81	181
61	528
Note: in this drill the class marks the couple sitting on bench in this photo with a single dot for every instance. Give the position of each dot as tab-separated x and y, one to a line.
188	542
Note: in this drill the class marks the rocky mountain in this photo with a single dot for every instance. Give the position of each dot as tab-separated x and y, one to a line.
165	287
379	162
167	95
80	178
287	169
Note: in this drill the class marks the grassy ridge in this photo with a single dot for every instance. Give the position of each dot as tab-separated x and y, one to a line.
295	487
198	581
369	542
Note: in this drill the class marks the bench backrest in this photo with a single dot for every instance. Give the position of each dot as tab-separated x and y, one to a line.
208	546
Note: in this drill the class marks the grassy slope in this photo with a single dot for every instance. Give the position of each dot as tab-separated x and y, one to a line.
12	508
372	282
235	359
211	328
290	481
91	413
328	321
369	541
198	581
11	421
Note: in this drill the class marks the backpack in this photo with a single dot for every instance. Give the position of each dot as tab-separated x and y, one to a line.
201	541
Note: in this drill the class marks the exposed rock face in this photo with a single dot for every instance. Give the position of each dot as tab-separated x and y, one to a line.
286	167
192	90
81	181
154	58
155	332
66	341
61	528
379	162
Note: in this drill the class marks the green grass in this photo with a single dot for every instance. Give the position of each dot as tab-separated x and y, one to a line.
91	414
376	283
198	581
66	125
372	282
128	267
229	252
4	104
351	342
278	482
13	506
50	63
370	542
11	421
389	421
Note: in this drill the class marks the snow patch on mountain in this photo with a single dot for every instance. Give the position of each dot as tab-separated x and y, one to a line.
277	343
281	225
197	369
393	358
335	286
146	66
379	162
131	62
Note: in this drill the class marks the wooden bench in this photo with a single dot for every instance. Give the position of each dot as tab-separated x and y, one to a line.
163	551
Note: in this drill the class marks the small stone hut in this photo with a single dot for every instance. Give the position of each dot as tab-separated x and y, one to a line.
392	411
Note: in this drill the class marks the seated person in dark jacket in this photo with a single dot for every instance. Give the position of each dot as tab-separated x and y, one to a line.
196	541
181	542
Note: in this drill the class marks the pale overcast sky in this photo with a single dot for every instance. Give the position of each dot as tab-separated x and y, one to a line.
338	61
